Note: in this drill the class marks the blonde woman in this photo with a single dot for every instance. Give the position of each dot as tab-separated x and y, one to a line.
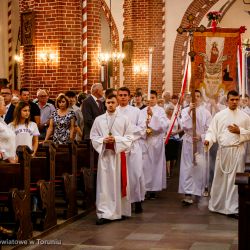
62	122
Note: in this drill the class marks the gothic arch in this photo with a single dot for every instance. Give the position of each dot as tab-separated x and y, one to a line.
114	36
111	22
198	8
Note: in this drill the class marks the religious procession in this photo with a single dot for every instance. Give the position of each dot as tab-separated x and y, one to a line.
102	138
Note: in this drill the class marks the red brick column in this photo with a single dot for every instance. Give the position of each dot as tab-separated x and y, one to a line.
143	24
94	41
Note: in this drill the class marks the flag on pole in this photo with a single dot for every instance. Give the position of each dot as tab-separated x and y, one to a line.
180	100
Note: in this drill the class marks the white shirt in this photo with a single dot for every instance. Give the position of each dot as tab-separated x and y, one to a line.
24	135
7	139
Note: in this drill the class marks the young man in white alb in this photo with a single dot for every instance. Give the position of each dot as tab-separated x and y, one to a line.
112	135
153	147
231	129
134	156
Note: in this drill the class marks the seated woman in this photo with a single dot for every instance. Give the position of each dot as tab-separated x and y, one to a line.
7	138
62	122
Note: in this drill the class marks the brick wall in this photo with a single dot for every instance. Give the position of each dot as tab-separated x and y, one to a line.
94	41
57	30
143	24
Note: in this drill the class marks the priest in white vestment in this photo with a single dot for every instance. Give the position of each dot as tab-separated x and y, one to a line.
231	129
153	146
111	136
192	177
134	156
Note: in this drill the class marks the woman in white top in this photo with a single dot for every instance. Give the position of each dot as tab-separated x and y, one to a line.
26	131
7	138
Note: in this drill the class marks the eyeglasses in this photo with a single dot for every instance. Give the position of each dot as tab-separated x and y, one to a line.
5	93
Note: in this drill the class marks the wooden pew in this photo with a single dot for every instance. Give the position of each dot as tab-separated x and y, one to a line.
243	182
86	174
65	174
247	167
43	186
15	195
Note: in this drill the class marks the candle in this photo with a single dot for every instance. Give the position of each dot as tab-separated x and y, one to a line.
239	72
102	73
111	82
188	75
243	75
246	72
150	70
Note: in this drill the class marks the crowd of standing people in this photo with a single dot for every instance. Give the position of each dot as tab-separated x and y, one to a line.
129	134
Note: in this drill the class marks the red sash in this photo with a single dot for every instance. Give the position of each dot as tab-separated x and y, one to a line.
123	174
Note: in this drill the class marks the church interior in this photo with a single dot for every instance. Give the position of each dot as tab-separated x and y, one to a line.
62	45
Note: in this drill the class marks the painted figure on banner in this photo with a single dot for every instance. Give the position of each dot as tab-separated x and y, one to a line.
214	53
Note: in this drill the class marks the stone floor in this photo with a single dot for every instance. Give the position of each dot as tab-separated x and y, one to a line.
165	224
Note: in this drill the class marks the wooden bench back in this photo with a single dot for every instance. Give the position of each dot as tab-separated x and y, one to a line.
43	165
10	176
65	160
15	179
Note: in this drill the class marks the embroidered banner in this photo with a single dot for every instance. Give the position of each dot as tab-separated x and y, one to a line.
215	64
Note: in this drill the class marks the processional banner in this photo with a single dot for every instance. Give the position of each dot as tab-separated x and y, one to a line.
248	71
215	64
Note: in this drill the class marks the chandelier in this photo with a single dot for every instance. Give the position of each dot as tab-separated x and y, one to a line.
110	55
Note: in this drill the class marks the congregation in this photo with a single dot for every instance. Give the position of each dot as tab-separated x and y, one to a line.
129	134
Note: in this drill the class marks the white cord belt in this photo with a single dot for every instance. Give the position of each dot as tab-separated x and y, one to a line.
220	153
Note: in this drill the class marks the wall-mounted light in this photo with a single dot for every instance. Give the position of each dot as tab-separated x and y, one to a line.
140	69
18	58
48	57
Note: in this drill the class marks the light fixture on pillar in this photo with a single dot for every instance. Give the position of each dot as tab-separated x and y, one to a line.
110	54
18	58
140	69
48	57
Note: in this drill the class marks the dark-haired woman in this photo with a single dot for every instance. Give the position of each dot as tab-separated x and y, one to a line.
26	131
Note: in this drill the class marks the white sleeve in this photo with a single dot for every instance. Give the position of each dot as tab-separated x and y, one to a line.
35	129
212	131
8	141
159	122
97	138
186	120
124	142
